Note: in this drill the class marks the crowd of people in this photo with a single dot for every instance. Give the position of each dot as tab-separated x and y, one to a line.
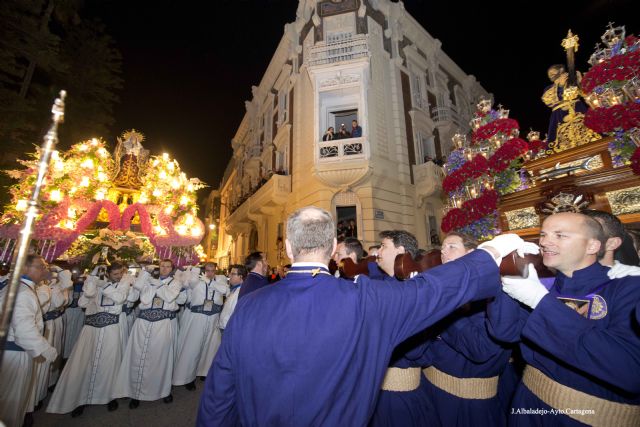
343	133
298	345
111	334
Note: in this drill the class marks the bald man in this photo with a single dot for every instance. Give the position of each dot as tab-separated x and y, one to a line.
578	338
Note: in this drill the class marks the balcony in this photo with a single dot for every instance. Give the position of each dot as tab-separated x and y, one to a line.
445	115
342	162
428	179
341	149
269	193
345	49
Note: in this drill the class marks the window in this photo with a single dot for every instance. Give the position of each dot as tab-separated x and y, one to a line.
283	106
416	90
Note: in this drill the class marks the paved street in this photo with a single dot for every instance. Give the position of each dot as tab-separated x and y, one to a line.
181	412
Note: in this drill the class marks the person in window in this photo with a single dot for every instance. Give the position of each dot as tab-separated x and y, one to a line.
343	133
328	135
356	130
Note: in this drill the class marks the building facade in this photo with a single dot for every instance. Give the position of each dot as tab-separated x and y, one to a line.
364	60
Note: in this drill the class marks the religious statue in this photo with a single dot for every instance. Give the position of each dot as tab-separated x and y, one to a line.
130	160
566	127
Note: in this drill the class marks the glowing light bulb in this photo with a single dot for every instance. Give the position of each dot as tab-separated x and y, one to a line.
171	166
102	152
100	194
143	198
88	163
21	205
184	200
83	147
162	175
69	224
165	157
71	213
188	220
181	229
84	182
190	188
157	192
102	177
73	190
168	209
175	184
156	162
94	141
55	195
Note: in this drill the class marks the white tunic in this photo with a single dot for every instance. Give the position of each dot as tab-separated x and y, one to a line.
147	366
89	375
228	308
16	372
39	383
199	338
54	329
73	321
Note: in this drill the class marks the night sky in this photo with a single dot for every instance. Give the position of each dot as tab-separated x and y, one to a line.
189	66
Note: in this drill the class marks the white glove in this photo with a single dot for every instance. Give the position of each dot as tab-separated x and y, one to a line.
528	291
50	354
504	244
128	279
619	271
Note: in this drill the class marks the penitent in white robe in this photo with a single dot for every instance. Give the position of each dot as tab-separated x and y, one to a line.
147	365
73	321
89	375
199	337
16	372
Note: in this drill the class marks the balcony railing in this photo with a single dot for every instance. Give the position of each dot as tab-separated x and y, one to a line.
346	49
341	149
445	114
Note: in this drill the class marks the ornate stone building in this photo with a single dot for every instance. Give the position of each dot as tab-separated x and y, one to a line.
364	60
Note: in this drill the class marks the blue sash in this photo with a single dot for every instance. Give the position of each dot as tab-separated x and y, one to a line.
52	315
12	346
215	309
156	314
102	319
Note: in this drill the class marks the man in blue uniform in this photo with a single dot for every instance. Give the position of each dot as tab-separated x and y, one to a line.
313	350
256	265
579	341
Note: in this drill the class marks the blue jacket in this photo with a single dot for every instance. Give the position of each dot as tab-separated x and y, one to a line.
313	350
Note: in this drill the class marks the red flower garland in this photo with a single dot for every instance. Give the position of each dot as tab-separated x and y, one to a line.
536	145
470	170
619	117
499	125
619	67
635	161
506	154
470	211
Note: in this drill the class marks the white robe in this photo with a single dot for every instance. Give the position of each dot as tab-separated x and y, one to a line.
16	373
147	365
199	338
73	321
89	375
39	384
228	308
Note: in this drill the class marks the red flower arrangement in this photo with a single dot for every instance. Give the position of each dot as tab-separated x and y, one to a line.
470	170
470	211
635	161
619	117
537	145
619	67
499	125
510	150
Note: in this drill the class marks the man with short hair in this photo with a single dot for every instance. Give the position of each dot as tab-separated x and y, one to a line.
89	376
237	273
25	342
314	349
619	252
257	266
392	244
578	338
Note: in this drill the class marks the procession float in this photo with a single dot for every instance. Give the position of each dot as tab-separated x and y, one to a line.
101	206
498	182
